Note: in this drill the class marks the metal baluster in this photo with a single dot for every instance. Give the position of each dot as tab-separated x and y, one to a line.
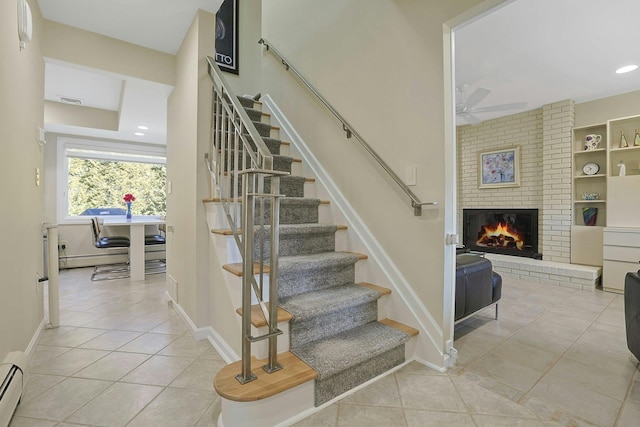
273	365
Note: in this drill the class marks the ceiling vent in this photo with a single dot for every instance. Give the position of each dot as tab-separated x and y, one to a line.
69	100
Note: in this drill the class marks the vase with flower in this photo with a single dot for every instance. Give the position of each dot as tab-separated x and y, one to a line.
128	198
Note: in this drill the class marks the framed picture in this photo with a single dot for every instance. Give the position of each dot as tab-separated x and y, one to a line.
500	168
227	36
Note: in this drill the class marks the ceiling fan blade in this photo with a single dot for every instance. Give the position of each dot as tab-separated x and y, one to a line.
501	107
477	96
470	118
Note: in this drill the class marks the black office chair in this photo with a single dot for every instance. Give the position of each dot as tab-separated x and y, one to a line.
104	272
156	266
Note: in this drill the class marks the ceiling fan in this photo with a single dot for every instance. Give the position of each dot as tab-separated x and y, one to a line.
465	106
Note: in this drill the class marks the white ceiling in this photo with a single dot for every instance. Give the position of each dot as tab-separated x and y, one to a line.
543	51
533	51
156	24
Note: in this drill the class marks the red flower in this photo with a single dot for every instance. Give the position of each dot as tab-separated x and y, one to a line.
129	197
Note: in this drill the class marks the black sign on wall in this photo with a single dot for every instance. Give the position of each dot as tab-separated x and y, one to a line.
227	36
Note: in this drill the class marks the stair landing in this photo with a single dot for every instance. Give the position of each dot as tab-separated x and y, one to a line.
293	373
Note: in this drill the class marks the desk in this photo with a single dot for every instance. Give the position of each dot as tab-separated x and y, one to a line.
136	234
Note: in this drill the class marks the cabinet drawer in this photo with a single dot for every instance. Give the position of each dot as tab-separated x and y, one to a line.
614	272
621	253
618	238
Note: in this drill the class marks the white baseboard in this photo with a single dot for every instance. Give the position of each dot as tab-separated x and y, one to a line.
35	339
208	333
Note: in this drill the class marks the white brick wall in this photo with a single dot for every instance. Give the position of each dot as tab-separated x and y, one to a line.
525	130
544	137
558	121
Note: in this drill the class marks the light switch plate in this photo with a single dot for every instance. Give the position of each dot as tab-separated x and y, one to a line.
411	175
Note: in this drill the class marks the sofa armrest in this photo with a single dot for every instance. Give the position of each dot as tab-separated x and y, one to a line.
632	312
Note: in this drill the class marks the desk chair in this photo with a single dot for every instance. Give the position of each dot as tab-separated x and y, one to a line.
157	265
102	272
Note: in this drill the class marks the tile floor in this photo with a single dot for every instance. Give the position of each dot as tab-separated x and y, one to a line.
557	357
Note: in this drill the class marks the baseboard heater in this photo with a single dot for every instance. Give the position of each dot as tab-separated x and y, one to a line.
12	374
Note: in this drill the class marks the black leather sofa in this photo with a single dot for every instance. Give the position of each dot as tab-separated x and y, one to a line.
632	312
477	285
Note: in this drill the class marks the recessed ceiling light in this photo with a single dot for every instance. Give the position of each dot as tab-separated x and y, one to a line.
138	133
143	127
626	69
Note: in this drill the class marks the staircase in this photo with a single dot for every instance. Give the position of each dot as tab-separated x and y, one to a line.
334	325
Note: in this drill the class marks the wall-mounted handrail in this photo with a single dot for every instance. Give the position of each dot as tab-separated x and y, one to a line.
350	131
238	153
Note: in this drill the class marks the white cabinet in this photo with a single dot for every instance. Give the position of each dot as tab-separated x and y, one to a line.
621	253
613	198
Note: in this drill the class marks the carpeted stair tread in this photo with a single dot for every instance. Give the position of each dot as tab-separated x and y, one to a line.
312	304
297	239
335	354
254	114
316	261
248	102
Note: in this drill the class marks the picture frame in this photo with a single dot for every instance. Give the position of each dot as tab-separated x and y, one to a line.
226	42
499	168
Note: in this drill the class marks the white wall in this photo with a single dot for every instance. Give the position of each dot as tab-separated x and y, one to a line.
21	112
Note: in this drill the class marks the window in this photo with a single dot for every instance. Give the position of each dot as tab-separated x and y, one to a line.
97	174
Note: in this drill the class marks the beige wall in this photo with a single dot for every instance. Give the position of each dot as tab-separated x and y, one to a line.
380	63
21	112
601	110
93	50
248	82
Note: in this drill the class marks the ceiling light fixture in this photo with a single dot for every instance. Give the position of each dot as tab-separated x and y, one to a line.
143	127
138	133
626	69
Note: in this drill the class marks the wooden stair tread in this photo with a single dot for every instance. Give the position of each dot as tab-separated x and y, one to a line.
412	332
382	290
259	321
310	180
293	373
236	268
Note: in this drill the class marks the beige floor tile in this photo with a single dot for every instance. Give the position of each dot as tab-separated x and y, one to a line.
497	421
111	340
629	416
480	401
539	339
63	399
615	359
172	326
592	377
211	415
31	422
70	362
37	384
549	412
43	353
511	373
211	354
149	343
185	346
116	406
72	338
383	392
580	401
199	375
113	366
519	352
370	416
418	418
434	393
174	407
158	370
328	417
77	318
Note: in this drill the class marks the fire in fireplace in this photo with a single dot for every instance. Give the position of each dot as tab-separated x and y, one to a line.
503	231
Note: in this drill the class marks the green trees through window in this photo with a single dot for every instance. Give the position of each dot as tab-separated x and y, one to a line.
103	184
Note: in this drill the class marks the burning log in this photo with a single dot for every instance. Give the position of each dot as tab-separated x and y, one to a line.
500	236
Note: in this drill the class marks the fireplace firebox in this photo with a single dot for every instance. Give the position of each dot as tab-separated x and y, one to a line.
501	231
